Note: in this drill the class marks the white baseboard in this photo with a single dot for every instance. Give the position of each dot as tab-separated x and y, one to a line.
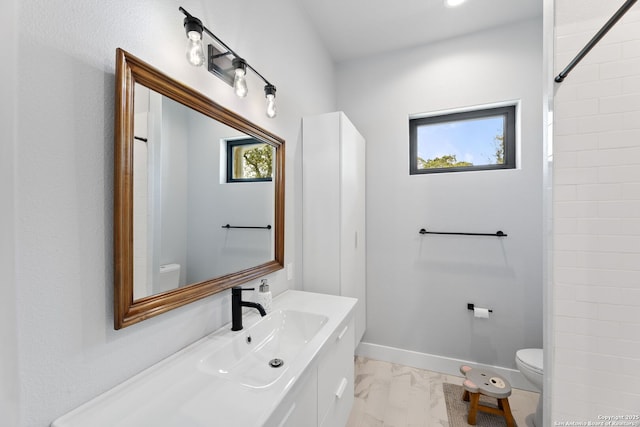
432	362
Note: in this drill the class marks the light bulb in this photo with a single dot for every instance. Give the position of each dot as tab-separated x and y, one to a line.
240	83
453	3
270	94
271	106
195	49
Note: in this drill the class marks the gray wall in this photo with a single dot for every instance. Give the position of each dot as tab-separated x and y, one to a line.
174	186
9	385
68	351
418	286
213	251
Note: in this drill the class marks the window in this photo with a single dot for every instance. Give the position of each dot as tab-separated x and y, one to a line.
249	160
471	140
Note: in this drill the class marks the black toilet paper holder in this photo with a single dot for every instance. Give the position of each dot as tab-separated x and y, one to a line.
470	306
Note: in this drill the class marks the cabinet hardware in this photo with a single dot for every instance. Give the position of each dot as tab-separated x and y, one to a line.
341	388
344	331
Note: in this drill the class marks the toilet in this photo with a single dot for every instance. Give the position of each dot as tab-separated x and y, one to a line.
168	279
529	362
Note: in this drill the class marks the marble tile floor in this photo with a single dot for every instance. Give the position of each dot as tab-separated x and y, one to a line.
390	395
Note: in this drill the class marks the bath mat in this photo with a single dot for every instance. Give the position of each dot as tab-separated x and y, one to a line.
458	409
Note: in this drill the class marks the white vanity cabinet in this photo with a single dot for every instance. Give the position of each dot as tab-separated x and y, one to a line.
333	210
336	378
323	397
299	408
225	379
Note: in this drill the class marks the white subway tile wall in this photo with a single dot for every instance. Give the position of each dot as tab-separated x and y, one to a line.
596	210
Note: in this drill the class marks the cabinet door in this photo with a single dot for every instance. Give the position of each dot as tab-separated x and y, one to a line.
336	378
321	204
353	221
333	210
300	408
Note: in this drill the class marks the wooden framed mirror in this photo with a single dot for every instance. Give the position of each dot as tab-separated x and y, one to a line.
182	231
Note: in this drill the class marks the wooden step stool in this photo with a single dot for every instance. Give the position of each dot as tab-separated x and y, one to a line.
487	383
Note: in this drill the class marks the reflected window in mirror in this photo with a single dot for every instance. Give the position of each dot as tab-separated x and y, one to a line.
181	233
179	207
249	160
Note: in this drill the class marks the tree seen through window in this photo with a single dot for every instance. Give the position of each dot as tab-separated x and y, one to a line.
249	160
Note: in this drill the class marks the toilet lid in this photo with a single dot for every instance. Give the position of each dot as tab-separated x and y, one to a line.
532	358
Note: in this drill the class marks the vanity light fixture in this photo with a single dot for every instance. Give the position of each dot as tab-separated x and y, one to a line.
223	61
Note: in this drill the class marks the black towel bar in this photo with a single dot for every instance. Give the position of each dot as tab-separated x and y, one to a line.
268	227
498	233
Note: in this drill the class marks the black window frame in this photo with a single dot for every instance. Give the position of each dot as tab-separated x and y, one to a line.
230	144
509	114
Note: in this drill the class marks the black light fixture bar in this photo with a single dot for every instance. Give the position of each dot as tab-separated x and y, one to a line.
225	46
604	30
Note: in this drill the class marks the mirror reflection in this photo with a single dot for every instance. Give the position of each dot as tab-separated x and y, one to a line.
203	197
183	228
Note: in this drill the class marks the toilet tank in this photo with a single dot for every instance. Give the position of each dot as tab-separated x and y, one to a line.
168	279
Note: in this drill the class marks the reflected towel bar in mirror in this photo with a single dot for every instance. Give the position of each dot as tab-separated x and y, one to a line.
498	233
268	227
140	296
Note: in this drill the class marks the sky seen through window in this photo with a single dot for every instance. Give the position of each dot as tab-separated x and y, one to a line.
472	140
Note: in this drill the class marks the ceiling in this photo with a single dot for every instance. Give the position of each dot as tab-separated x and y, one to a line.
358	28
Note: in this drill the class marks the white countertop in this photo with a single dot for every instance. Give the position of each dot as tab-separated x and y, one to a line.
175	393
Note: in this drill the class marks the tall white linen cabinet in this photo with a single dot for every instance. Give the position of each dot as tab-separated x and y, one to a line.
333	210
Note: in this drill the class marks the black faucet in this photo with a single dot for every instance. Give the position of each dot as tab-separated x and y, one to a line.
237	304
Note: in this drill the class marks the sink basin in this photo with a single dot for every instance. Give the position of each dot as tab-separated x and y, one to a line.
259	355
222	377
